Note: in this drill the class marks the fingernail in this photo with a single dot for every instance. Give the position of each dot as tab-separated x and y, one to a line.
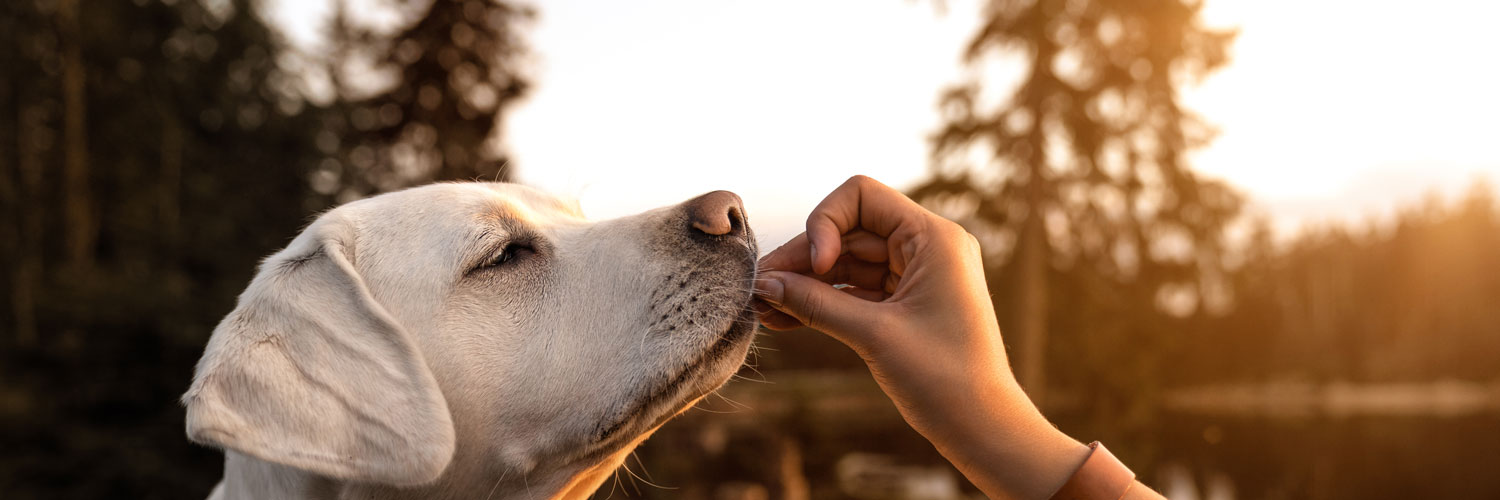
813	247
770	290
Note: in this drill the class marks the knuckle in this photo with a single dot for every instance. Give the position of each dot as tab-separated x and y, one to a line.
972	241
954	235
812	310
948	229
865	183
821	218
818	215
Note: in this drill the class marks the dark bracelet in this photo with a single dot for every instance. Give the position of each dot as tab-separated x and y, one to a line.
1101	477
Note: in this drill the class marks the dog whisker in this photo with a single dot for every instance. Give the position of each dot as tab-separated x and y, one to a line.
626	466
761	380
733	402
717	412
644	470
497	484
612	486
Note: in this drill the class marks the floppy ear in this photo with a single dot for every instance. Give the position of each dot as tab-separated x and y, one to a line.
309	371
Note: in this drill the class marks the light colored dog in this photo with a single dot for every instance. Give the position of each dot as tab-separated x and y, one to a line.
471	340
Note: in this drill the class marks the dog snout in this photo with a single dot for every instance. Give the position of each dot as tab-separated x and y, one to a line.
720	213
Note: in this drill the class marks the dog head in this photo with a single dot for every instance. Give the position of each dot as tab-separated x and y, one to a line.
485	320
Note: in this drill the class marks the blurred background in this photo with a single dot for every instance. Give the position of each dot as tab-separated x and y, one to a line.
1249	245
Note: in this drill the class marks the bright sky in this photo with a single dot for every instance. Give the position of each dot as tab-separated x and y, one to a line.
1346	109
1330	109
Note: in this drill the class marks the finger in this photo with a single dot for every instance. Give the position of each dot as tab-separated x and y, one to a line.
761	308
851	271
775	320
790	256
861	202
863	245
819	306
780	321
794	256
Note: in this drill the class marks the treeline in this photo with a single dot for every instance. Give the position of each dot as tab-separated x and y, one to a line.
1415	299
151	151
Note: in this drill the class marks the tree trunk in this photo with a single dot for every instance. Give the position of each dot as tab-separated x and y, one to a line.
26	281
1031	305
12	248
170	187
78	213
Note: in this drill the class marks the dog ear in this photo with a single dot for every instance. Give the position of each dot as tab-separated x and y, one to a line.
309	371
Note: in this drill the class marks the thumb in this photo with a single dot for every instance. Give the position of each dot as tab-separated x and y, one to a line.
818	305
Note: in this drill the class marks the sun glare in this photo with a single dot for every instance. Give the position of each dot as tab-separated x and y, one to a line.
1323	99
1329	109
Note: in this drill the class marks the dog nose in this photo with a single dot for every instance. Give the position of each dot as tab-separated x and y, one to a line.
717	214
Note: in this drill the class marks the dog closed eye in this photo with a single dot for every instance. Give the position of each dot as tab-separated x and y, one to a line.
511	252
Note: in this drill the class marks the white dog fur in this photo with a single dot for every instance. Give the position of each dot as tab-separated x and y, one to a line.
468	340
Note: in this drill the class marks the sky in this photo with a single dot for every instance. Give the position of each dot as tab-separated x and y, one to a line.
1329	110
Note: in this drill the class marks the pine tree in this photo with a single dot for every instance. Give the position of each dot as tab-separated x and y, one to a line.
1081	168
454	70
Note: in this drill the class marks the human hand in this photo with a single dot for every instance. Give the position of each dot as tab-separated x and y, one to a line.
917	310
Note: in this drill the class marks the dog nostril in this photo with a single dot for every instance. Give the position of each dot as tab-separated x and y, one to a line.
717	214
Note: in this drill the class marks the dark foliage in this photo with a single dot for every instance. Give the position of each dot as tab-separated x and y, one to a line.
1414	300
136	204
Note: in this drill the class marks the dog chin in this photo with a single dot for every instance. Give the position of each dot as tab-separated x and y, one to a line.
711	369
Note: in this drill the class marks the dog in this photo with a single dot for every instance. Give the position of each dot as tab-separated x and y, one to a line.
471	340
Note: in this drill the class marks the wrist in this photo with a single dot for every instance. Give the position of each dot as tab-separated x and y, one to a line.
1008	448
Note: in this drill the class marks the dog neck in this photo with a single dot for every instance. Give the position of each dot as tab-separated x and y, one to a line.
246	477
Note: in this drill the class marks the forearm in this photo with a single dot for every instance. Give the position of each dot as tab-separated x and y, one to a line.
993	434
1020	466
1026	466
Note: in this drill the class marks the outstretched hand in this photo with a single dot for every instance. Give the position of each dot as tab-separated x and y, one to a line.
910	296
905	289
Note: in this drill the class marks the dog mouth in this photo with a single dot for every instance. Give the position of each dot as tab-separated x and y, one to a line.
661	401
685	385
697	300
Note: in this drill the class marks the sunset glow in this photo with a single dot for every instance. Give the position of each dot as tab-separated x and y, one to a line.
1366	104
